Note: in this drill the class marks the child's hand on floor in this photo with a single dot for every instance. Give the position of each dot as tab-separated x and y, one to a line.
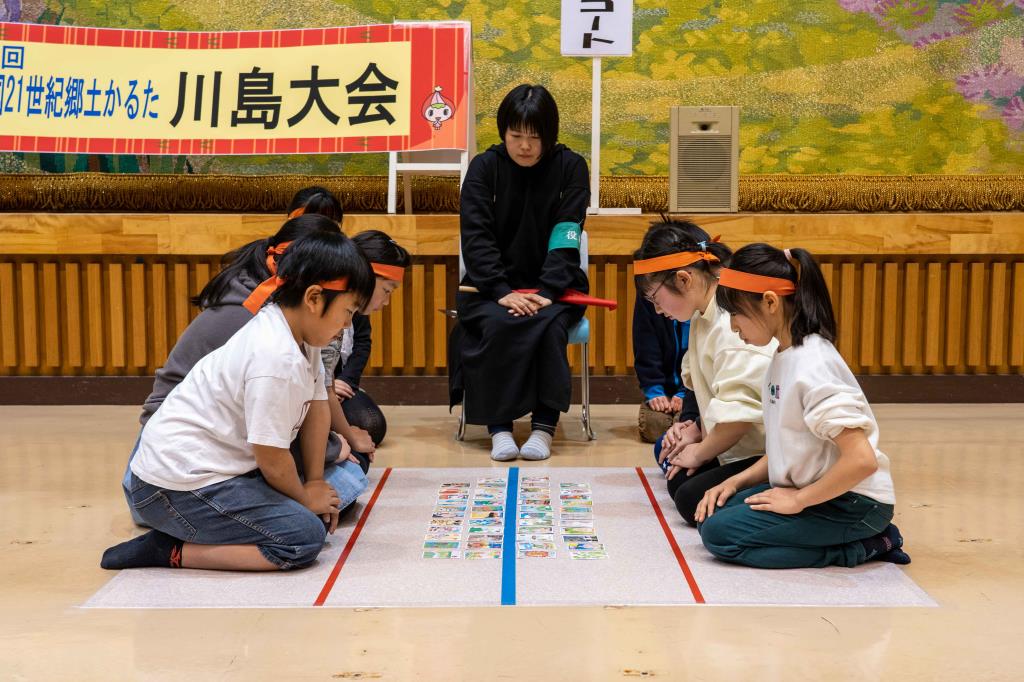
361	442
343	389
678	436
321	497
715	498
778	500
660	404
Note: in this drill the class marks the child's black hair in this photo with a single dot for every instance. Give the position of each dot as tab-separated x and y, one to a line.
378	247
321	257
809	310
675	236
317	200
530	108
251	259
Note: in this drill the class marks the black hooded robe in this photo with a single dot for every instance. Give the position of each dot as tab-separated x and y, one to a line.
506	366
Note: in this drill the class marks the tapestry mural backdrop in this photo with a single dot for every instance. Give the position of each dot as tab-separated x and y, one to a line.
852	87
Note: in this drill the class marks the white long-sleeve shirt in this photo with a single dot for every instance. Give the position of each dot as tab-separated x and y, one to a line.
810	397
726	376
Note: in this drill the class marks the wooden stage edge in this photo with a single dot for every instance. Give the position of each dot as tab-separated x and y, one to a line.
433	390
212	234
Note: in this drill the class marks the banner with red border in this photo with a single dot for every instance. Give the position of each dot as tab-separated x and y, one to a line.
378	88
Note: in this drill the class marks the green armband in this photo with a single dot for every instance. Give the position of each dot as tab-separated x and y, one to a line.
565	236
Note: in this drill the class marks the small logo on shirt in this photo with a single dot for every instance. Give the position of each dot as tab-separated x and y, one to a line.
775	391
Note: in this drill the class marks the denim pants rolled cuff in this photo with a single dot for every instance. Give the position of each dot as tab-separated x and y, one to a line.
286	564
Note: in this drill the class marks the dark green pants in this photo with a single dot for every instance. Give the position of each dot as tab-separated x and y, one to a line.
823	535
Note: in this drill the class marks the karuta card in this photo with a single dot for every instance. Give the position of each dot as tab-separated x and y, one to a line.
483	554
442	554
578	530
443	536
437	523
537	554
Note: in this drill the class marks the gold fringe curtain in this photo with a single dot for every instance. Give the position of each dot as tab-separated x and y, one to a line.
102	192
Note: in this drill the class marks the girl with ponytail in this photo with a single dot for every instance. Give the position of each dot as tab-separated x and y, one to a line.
822	495
676	269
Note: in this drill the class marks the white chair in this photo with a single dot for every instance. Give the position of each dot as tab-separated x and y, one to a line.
578	335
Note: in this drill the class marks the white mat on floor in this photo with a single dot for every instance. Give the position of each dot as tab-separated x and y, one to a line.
386	568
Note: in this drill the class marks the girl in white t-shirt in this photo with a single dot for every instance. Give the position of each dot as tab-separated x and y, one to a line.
676	269
822	495
213	475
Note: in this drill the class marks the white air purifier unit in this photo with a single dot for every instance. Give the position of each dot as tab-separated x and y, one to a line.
704	155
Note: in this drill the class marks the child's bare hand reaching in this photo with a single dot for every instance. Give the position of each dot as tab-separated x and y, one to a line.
778	500
713	499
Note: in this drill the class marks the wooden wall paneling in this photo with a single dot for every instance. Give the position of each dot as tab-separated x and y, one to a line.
94	316
851	327
977	313
999	318
595	319
396	332
954	328
439	285
1017	319
8	326
28	309
73	331
50	294
890	309
377	349
628	304
869	313
610	339
116	317
139	331
420	331
179	298
934	318
913	315
157	318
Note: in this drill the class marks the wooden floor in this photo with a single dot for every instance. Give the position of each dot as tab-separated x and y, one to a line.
959	474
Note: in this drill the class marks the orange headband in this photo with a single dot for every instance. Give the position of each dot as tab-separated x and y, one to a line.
757	284
672	261
392	272
268	286
301	210
261	293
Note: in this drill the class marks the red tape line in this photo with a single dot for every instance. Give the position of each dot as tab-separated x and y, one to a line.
329	585
697	596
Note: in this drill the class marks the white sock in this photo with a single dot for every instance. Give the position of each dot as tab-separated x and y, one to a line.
503	447
537	446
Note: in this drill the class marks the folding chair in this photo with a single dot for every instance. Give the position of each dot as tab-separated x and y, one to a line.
578	335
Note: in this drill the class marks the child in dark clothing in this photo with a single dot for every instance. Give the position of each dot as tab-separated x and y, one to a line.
659	344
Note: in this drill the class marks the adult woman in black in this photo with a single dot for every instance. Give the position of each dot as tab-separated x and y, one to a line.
522	210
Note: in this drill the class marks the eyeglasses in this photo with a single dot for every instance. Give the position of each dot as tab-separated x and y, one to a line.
650	296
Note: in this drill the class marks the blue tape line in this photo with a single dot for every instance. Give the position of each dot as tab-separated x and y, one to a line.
508	544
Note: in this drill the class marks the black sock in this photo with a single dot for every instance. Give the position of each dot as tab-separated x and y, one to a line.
886	546
152	549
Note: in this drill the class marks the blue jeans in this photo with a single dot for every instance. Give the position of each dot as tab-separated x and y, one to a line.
823	535
347	479
243	510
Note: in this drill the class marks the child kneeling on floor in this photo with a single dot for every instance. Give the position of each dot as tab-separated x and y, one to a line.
213	475
822	495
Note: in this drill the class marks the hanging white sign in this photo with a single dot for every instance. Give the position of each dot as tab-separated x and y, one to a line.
597	28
